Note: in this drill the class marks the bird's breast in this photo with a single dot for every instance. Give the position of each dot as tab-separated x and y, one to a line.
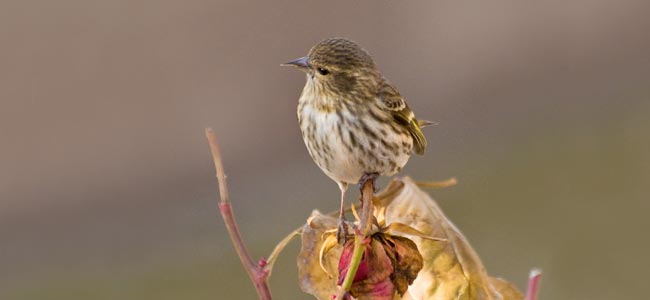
347	144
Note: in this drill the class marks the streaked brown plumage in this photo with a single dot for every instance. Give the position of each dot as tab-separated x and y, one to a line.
353	121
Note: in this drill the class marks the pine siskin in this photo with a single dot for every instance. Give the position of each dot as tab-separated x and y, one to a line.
355	124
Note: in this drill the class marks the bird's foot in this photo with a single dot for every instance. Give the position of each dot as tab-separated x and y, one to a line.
342	231
365	178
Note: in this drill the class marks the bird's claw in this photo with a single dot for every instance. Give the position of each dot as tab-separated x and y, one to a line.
368	177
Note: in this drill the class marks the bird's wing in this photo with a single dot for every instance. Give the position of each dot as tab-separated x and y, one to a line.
393	102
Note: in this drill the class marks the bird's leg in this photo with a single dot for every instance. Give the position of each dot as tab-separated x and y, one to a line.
364	178
342	232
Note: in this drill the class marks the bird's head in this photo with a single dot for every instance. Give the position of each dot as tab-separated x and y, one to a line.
338	64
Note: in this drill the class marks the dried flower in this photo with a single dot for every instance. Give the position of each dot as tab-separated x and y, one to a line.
389	265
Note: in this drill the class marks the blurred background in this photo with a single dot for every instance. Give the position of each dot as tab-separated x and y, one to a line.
107	188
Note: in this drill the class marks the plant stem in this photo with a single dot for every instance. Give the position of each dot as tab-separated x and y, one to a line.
365	224
256	272
357	254
533	284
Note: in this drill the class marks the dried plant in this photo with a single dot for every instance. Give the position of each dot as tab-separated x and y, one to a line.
403	247
451	268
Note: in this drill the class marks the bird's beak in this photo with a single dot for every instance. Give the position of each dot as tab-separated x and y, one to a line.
301	63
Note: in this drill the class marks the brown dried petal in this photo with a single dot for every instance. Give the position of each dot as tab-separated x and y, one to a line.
408	262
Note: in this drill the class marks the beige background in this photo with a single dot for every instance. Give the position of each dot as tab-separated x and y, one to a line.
107	189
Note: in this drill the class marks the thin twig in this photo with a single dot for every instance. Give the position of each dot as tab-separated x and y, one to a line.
256	272
270	262
437	184
533	284
365	225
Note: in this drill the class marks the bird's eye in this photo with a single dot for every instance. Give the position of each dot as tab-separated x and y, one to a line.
323	71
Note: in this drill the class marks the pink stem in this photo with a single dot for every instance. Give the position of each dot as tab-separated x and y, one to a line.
533	284
257	274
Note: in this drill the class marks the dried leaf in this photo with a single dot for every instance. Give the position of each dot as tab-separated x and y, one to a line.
452	269
314	279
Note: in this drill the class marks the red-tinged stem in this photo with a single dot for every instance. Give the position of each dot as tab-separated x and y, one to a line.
533	284
365	225
256	272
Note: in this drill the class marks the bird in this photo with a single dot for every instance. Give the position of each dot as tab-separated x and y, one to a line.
355	124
